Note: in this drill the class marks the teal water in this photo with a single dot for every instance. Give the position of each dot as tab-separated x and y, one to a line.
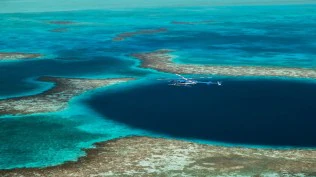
51	139
282	36
11	6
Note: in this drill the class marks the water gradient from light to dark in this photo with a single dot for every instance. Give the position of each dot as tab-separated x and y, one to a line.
262	112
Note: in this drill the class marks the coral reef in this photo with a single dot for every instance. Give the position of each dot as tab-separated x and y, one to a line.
161	60
18	55
143	156
123	36
56	98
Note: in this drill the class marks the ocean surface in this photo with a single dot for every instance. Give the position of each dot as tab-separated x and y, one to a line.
248	111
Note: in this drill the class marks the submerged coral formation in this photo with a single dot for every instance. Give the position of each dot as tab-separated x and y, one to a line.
162	60
192	22
59	30
123	36
61	22
18	55
56	98
143	156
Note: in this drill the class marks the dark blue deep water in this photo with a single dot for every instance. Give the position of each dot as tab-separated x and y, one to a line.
262	112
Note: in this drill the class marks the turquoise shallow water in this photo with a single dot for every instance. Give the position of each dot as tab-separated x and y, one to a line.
40	140
282	36
61	5
51	139
263	35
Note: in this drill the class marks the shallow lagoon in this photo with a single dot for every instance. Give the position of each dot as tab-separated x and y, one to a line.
53	138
